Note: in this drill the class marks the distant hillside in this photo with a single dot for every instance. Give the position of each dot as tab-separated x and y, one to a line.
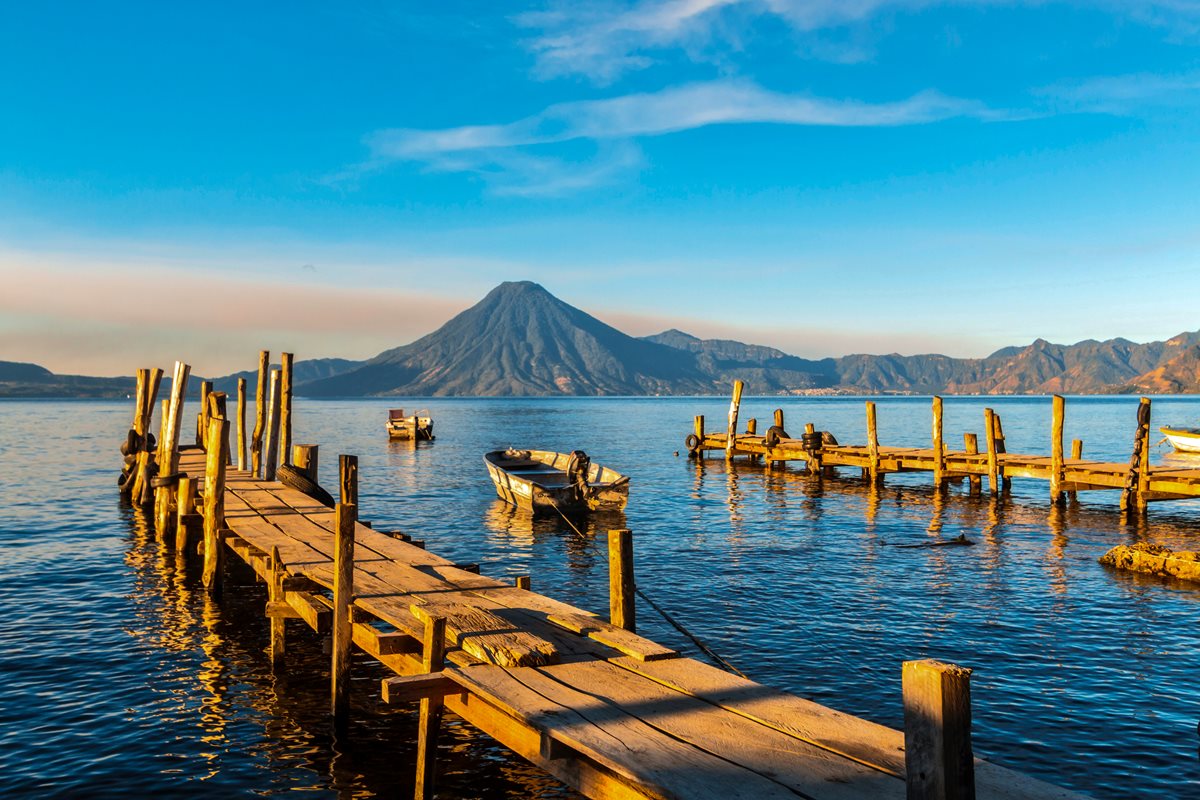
520	340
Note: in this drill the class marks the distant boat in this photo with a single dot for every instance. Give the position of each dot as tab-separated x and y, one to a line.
415	427
1185	440
540	480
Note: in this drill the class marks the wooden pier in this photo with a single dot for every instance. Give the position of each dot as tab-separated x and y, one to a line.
608	712
1138	481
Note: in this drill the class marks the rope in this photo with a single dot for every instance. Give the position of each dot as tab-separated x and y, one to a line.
674	623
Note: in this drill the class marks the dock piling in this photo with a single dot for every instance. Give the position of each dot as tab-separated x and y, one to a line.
278	622
734	405
304	458
993	461
241	423
939	448
1138	476
432	659
214	502
168	449
260	413
343	590
523	582
348	481
1076	455
1056	448
185	511
622	608
938	760
872	445
203	416
285	407
971	446
271	454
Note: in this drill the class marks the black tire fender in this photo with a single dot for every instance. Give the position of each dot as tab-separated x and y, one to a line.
294	478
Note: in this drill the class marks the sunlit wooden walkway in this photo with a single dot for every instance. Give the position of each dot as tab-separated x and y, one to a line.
1138	481
608	712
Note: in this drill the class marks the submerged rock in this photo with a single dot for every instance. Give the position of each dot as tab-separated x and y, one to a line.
1154	559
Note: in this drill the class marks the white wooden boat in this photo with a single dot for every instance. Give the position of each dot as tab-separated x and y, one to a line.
414	427
541	480
1184	440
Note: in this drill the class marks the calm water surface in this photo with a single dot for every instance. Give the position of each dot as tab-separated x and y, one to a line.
120	676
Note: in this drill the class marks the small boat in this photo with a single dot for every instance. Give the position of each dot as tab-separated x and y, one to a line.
541	480
1184	440
415	427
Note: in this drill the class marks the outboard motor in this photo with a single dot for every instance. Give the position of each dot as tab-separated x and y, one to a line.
577	472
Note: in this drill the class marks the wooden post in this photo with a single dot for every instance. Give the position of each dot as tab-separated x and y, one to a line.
168	448
779	417
432	660
1076	455
145	494
814	457
348	479
278	621
1001	449
203	417
971	445
938	761
260	413
186	507
872	444
241	424
523	582
343	592
622	608
285	407
1134	479
734	405
271	456
304	458
1058	411
939	449
752	426
989	433
214	503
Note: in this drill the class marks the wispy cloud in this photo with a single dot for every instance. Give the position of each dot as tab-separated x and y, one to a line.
512	155
1123	94
602	41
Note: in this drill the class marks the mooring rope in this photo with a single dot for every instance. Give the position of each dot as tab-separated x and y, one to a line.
708	651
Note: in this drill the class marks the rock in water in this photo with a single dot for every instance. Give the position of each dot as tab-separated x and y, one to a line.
1154	559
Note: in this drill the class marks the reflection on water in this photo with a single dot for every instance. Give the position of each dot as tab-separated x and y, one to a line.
136	678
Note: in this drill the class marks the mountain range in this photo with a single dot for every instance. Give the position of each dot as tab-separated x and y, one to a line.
520	340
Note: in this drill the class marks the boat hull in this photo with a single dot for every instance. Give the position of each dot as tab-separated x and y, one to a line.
1184	440
420	430
539	483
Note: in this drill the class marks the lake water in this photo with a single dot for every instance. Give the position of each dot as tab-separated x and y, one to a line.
120	676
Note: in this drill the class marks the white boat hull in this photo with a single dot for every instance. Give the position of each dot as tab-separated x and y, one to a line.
1184	441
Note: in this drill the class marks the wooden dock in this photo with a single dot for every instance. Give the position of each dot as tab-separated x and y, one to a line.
1138	481
608	712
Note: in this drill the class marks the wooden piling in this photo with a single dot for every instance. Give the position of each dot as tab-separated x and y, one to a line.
214	502
278	621
1138	476
168	449
622	608
304	458
1076	455
971	446
348	479
779	417
698	430
186	507
1001	449
993	461
752	426
203	416
271	449
343	591
260	413
241	423
432	660
939	449
872	444
285	407
939	762
524	582
734	405
1058	412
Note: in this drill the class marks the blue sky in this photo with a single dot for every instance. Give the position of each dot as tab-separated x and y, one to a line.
825	177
